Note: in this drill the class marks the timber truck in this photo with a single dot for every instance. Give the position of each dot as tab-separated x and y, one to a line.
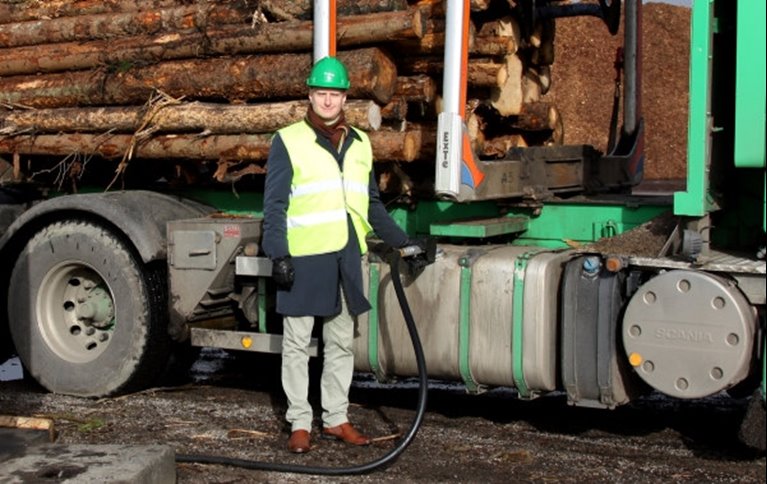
553	273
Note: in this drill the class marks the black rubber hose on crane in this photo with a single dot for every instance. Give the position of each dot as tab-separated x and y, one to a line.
362	468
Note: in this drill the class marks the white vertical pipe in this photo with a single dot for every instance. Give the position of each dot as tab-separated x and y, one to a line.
321	32
449	121
451	93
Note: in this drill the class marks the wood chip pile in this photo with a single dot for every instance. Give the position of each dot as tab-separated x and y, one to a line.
202	85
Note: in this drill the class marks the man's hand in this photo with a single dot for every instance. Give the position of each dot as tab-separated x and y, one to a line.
283	272
427	256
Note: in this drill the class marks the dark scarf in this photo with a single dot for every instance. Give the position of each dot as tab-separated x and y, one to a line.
335	131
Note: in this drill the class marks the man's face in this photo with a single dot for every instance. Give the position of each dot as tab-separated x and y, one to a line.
327	103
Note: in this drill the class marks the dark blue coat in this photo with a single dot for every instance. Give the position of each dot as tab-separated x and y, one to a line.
318	278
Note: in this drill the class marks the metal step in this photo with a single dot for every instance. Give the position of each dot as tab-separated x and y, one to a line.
243	341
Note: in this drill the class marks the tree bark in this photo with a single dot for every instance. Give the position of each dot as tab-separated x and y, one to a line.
482	72
372	74
395	110
416	143
65	8
179	118
227	40
106	26
392	146
498	146
240	147
389	145
493	45
416	88
302	9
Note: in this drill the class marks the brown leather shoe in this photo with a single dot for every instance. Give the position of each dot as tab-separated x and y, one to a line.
347	433
299	442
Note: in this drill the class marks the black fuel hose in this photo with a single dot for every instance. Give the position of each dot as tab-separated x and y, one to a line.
387	459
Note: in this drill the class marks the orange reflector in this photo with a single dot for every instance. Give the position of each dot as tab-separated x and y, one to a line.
246	341
635	359
613	264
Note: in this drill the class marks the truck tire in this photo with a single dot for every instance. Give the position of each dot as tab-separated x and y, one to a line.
752	429
85	314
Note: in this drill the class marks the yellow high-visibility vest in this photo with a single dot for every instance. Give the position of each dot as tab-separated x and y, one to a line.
321	195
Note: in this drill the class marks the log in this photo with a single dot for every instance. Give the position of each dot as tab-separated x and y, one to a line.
106	26
302	9
507	96
416	143
505	26
416	88
538	116
479	45
541	75
395	110
65	8
531	87
389	145
240	147
372	74
393	180
424	139
179	118
496	148
475	124
493	45
277	38
482	72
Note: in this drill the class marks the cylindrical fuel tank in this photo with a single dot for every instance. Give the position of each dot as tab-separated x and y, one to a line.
486	316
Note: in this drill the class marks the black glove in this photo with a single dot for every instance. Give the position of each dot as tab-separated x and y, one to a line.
283	272
427	256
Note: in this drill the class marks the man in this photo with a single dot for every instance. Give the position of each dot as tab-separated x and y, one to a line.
320	202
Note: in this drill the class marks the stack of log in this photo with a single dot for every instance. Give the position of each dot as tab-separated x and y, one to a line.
203	82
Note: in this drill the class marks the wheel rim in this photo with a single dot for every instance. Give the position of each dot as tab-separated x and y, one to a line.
75	312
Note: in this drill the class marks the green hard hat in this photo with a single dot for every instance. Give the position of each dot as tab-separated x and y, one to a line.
329	73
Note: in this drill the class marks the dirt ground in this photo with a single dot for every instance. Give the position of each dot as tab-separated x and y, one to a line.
234	407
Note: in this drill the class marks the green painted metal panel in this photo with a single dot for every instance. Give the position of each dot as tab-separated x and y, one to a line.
554	225
262	295
373	285
481	228
750	92
419	219
517	328
694	201
464	333
561	225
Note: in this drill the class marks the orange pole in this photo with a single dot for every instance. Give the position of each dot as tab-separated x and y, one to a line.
332	30
464	59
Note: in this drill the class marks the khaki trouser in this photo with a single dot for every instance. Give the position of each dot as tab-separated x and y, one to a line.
337	370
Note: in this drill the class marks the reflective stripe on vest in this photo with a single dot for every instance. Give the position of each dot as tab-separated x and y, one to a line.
321	195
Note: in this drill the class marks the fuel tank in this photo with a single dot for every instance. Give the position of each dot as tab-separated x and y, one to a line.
486	316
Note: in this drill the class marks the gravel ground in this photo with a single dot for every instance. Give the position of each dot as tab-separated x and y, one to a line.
234	407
